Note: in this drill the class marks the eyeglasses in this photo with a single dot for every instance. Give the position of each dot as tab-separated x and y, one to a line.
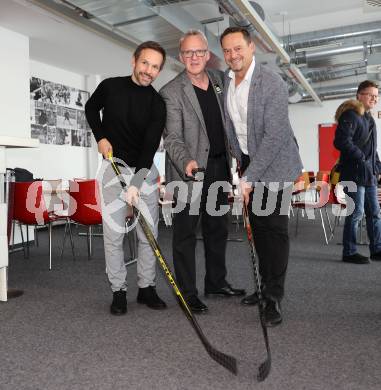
370	95
190	53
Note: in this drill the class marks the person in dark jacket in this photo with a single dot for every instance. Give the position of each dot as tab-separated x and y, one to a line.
356	139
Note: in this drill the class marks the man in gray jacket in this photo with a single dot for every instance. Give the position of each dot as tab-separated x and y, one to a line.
194	137
262	141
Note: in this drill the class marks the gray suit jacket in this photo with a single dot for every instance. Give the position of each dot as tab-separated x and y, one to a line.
272	147
185	135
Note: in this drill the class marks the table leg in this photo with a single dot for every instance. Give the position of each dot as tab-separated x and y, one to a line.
3	284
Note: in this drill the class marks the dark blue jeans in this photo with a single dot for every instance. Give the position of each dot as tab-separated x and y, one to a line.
365	199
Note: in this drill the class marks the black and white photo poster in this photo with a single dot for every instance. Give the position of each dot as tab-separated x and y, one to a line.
57	114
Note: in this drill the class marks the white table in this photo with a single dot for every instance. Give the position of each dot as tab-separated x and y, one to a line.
7	142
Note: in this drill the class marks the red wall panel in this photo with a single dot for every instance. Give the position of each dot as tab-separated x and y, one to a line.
328	154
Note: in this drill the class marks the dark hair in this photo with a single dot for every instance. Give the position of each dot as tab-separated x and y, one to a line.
366	84
153	46
232	30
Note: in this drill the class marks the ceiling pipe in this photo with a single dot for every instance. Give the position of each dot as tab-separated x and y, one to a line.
325	75
341	67
314	59
248	12
325	37
242	9
229	8
183	21
335	92
69	11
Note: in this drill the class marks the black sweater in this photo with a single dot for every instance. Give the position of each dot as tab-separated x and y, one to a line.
133	119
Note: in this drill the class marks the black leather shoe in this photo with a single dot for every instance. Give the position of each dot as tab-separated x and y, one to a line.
196	305
356	259
250	299
119	303
376	256
226	291
273	313
148	296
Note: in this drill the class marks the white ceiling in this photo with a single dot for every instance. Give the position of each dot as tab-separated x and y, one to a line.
309	15
59	42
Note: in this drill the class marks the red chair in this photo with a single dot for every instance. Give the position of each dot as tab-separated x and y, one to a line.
301	184
299	192
311	176
338	202
85	206
322	192
30	209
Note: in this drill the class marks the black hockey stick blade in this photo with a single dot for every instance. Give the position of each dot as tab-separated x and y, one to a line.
227	361
265	367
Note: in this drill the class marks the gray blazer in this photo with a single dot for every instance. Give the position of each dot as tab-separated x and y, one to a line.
185	135
272	147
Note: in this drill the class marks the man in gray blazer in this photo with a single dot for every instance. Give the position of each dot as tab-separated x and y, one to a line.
193	138
263	142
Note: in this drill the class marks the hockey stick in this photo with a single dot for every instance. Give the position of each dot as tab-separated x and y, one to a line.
265	367
229	362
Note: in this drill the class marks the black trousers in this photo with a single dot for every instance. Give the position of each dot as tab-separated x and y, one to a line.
214	232
270	233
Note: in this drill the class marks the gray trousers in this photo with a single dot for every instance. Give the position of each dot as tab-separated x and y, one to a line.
114	212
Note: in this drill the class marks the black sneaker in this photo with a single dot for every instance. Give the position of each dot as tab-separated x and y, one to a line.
149	297
196	305
376	256
356	259
119	303
273	313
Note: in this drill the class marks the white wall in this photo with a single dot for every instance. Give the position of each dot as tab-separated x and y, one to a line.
52	161
48	161
14	76
305	119
171	69
58	161
14	95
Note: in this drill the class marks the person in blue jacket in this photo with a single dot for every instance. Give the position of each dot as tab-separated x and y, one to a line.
356	139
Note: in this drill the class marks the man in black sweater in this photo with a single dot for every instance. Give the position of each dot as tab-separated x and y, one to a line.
131	127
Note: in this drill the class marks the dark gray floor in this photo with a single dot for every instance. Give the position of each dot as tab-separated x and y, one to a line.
60	335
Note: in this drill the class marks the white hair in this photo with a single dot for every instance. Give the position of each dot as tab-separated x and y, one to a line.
190	33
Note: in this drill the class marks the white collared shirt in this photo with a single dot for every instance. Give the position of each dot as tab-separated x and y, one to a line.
237	105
